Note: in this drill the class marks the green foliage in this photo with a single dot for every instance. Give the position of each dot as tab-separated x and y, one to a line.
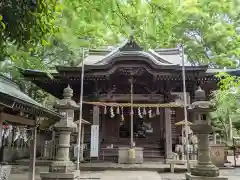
227	103
207	28
26	23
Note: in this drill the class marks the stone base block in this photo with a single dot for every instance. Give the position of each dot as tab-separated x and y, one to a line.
191	177
123	155
5	171
208	170
74	175
62	166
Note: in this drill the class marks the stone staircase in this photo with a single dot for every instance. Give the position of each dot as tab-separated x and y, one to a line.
152	152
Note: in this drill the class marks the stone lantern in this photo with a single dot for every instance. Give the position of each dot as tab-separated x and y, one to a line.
62	167
204	169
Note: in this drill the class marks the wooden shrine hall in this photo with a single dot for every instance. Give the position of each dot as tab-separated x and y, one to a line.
157	94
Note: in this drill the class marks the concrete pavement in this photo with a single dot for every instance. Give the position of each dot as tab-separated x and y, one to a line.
232	174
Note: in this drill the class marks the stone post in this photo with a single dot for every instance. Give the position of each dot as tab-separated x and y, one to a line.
62	167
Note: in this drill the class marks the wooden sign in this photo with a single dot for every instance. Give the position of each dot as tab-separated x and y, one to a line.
94	141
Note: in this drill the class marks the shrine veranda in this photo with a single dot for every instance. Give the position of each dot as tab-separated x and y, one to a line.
157	96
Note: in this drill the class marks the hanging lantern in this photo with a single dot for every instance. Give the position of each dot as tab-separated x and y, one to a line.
157	111
150	113
118	110
105	109
144	111
112	112
139	113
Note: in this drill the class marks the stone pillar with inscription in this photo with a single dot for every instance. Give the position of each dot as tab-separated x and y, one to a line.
62	167
168	134
204	169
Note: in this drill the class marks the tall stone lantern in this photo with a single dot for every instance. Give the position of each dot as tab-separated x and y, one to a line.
204	169
62	167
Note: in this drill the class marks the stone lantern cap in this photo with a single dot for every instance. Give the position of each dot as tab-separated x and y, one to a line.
200	104
67	102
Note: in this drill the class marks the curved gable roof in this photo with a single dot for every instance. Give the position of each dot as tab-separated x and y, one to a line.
159	57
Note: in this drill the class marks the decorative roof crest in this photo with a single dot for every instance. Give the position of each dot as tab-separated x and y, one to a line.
130	44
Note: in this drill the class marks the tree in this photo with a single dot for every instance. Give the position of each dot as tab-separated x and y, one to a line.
207	28
26	23
227	102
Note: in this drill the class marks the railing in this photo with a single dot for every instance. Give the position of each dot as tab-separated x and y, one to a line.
181	152
15	150
48	150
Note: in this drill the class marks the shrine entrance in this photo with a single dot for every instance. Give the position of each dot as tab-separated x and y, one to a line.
141	128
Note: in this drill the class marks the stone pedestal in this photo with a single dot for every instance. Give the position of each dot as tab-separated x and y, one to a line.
218	154
62	167
123	155
204	167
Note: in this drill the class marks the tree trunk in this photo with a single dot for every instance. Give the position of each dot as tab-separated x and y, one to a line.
230	136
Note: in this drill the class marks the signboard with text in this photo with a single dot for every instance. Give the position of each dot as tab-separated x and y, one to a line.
94	141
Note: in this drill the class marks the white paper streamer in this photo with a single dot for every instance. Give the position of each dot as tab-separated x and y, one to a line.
17	134
112	112
157	111
122	116
118	110
139	113
24	135
150	113
144	111
131	112
105	110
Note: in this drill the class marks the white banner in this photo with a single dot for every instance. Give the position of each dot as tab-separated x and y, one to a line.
94	140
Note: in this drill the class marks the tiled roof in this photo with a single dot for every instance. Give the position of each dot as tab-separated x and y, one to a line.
10	89
170	56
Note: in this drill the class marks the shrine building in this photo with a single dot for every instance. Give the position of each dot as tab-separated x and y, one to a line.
157	93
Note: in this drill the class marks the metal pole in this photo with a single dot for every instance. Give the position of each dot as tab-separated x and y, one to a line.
33	154
131	112
82	142
185	103
80	113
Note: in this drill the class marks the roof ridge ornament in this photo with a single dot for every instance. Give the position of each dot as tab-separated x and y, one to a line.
130	44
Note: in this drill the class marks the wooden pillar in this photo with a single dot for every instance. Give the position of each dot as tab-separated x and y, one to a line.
168	134
33	147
